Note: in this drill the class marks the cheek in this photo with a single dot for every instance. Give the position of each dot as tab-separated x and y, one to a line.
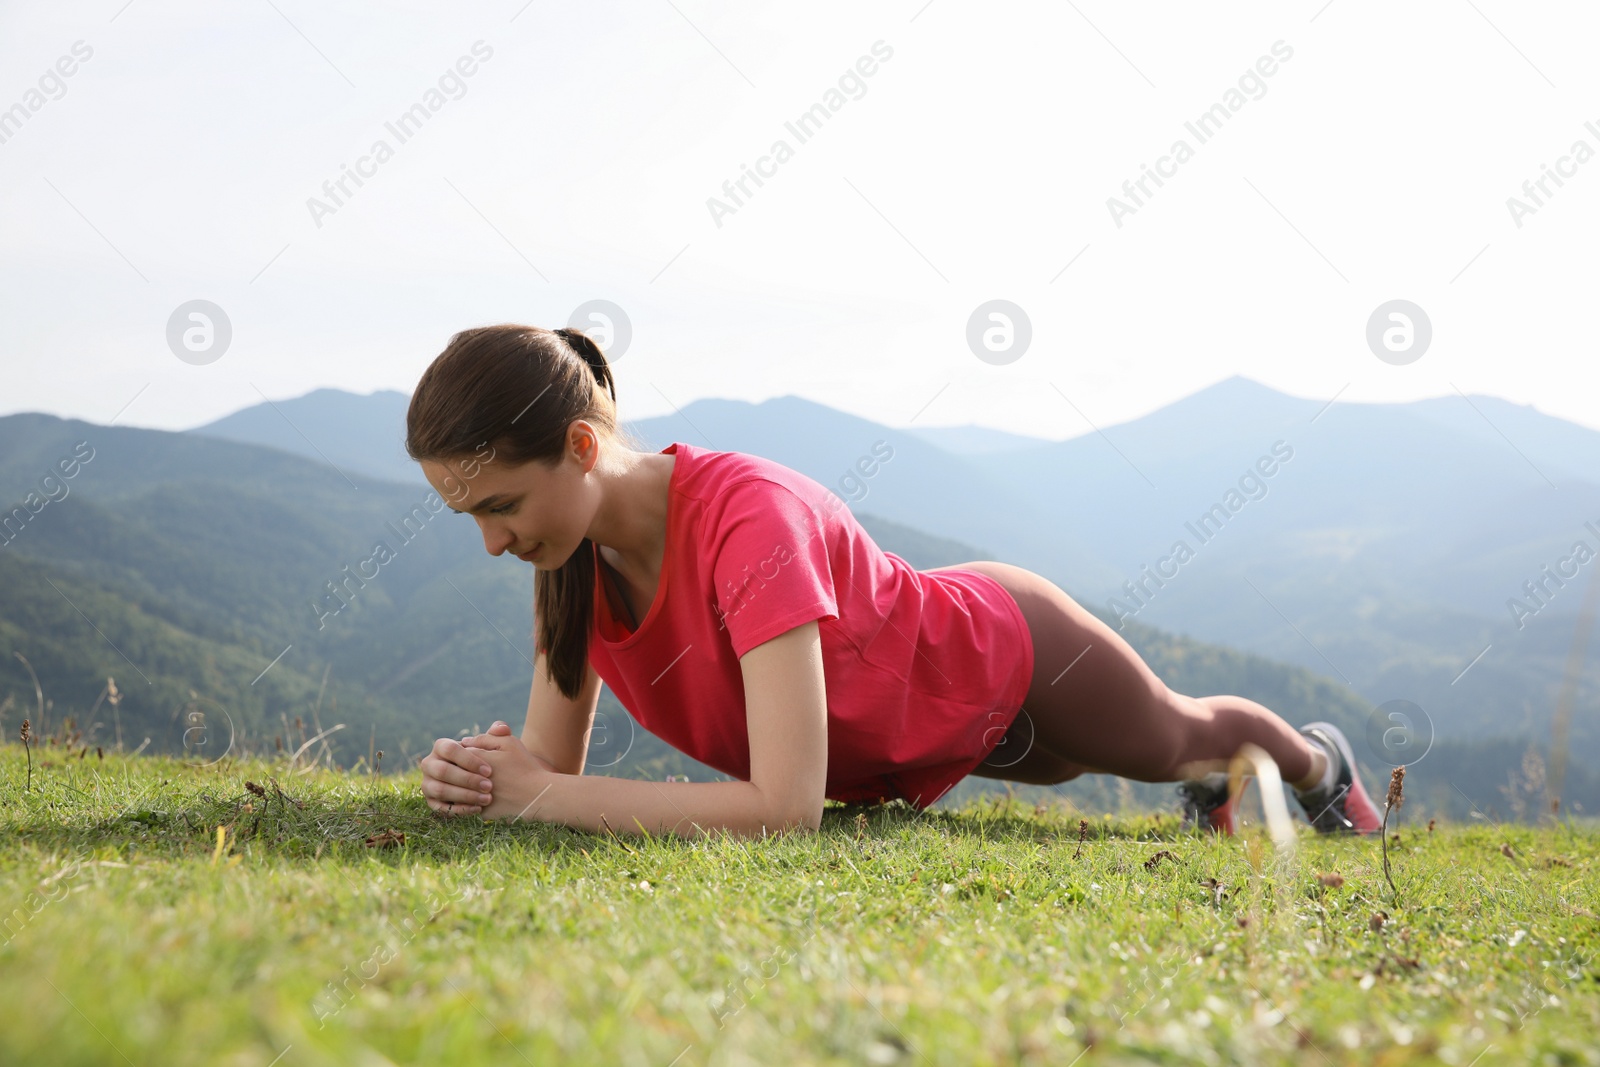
558	521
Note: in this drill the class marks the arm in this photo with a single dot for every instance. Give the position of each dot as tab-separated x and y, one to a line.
557	729
456	776
787	715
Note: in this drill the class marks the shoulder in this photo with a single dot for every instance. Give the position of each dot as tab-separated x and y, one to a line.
741	480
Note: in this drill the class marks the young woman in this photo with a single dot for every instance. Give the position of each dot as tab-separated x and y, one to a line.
739	612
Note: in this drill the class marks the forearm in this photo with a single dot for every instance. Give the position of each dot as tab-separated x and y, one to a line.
598	803
568	760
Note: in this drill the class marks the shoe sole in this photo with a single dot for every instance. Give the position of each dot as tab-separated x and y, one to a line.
1357	791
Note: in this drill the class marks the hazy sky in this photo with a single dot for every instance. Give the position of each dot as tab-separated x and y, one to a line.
974	163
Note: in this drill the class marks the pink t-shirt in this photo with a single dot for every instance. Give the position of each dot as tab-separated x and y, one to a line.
924	671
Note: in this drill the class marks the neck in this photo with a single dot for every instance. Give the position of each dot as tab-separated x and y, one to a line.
632	517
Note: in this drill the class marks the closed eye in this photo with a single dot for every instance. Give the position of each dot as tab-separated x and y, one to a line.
502	509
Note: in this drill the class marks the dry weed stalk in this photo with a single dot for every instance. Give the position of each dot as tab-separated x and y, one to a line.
114	698
27	736
1392	802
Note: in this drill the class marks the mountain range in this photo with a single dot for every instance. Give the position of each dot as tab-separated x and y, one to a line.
1379	553
1395	549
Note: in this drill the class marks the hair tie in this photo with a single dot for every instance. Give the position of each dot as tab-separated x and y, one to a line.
582	344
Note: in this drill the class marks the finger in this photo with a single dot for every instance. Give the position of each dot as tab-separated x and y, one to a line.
497	742
436	769
452	774
453	752
434	789
500	729
447	809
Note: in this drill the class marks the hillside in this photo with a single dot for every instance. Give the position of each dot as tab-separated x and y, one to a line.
196	571
1386	548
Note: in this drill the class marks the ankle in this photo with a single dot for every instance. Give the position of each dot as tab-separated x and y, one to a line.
1319	769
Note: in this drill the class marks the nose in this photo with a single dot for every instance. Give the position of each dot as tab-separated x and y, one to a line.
496	540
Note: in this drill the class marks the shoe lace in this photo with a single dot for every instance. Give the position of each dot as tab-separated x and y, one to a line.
1329	812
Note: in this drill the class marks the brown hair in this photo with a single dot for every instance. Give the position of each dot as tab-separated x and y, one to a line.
518	389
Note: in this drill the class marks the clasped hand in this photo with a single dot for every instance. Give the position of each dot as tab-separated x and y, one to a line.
491	774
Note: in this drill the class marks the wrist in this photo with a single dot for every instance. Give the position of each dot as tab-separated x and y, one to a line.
531	787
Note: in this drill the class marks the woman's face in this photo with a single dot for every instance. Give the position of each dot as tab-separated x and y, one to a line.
521	510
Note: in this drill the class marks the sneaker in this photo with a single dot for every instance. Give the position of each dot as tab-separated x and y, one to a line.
1344	806
1206	804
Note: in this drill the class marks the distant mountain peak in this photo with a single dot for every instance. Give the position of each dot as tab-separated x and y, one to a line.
366	431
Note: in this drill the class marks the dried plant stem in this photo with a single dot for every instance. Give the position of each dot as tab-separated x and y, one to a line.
95	710
27	735
1386	875
301	750
1393	801
114	695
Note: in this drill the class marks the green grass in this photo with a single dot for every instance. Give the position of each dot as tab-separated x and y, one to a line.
990	934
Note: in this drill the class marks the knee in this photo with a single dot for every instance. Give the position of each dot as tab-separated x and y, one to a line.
1055	772
1066	772
1172	749
1036	767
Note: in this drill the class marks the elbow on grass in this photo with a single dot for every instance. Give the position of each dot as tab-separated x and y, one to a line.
794	820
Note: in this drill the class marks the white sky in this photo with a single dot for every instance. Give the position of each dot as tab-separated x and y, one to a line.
977	165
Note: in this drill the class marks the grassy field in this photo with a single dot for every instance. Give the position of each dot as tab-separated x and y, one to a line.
337	920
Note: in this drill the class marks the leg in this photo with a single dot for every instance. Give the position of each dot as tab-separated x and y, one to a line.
1095	704
1017	758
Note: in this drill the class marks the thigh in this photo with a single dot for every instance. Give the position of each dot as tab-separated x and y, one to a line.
1018	758
1093	701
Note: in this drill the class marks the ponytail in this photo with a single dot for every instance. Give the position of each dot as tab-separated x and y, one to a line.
590	353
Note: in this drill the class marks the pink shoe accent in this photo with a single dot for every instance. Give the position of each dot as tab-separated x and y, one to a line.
1359	808
1223	819
1349	810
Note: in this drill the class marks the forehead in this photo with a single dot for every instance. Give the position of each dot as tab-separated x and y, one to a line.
465	479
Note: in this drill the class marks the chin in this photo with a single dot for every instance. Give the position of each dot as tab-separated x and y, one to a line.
547	561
